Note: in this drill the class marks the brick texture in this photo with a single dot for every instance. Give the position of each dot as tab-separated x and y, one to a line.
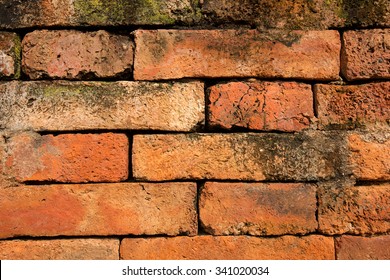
75	54
57	249
286	106
98	209
228	248
258	209
363	248
61	105
68	157
353	105
9	55
236	53
366	55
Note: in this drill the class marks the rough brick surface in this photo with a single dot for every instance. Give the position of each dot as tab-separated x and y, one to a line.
228	248
68	157
284	106
70	54
353	105
57	249
354	210
60	105
363	248
99	209
258	209
236	53
305	156
9	55
366	54
370	155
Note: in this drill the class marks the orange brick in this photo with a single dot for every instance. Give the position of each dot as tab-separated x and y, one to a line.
228	248
236	53
57	249
9	55
284	106
258	209
363	248
98	209
69	157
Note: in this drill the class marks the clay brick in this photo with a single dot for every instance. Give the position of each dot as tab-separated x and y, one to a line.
68	157
284	106
70	54
370	155
9	55
366	54
57	249
353	106
305	156
228	248
236	53
66	106
363	248
98	209
354	210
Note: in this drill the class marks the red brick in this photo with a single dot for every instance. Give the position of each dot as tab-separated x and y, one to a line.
228	248
98	209
70	54
354	210
354	105
62	105
57	249
365	54
370	155
9	55
363	248
69	157
284	106
258	209
236	53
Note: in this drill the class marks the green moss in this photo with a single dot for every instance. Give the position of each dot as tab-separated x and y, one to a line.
17	51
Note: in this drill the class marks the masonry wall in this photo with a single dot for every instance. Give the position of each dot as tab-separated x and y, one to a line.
194	129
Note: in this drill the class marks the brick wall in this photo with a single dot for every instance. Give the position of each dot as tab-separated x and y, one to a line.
194	129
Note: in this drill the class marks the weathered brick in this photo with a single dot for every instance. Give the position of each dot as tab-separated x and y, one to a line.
57	249
9	55
353	105
70	54
236	53
98	209
284	106
62	105
228	248
304	156
68	157
354	210
363	248
258	209
370	155
366	54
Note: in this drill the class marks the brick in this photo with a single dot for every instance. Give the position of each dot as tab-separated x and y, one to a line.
57	249
9	55
98	209
351	106
370	155
69	106
251	156
68	157
228	248
258	209
365	54
41	13
283	106
354	210
363	248
70	54
236	53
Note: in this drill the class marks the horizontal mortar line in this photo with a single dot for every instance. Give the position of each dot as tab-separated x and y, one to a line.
371	183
